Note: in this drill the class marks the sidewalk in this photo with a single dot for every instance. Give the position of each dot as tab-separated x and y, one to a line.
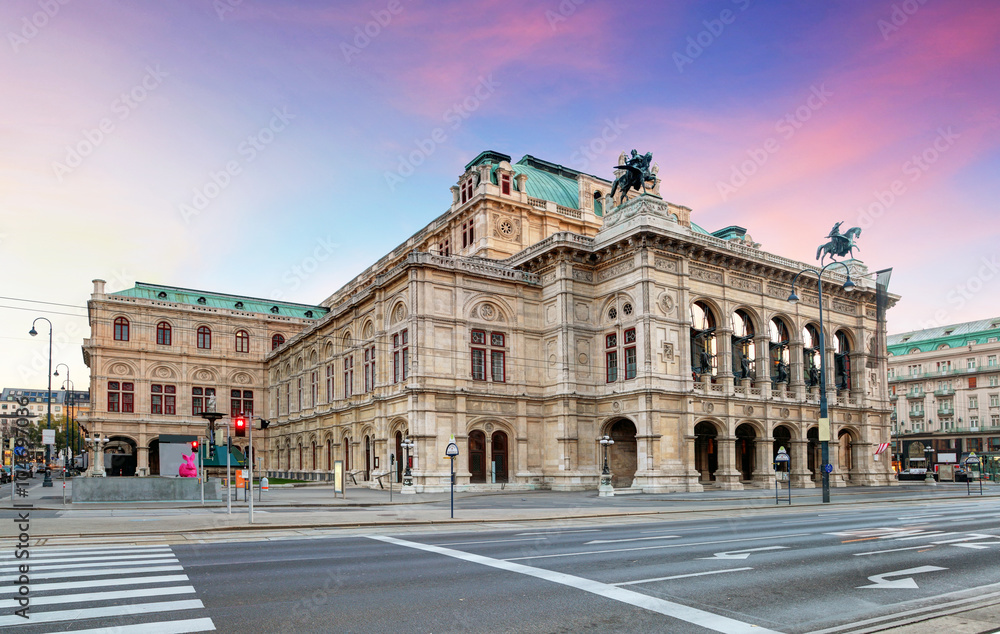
316	506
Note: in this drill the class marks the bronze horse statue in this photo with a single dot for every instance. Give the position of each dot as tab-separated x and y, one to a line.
635	176
840	244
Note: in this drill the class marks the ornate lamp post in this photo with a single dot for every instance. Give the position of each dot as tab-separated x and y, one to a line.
47	482
96	468
606	489
68	390
824	420
407	444
928	456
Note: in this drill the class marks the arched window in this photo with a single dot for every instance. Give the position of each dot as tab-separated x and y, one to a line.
204	337
163	334
121	329
277	340
242	341
810	354
778	349
598	204
744	347
842	361
703	341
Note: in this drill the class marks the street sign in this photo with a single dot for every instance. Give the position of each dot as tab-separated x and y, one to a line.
452	450
48	436
828	468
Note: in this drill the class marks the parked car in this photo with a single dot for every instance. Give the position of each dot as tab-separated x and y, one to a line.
5	475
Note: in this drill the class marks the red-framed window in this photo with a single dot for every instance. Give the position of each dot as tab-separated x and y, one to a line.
242	341
162	399
121	397
277	340
611	365
444	247
314	389
467	190
369	369
348	376
400	355
468	233
630	354
495	352
199	399
163	333
505	184
121	329
204	337
329	383
241	403
478	355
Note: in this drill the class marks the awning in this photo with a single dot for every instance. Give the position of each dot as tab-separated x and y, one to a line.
219	459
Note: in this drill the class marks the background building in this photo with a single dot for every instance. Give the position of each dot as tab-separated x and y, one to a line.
528	320
944	385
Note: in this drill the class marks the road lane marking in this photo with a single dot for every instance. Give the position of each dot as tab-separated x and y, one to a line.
742	554
679	611
694	574
161	559
623	550
922	535
977	545
59	551
882	581
891	550
39	562
96	613
967	538
83	597
628	539
163	627
490	541
585	530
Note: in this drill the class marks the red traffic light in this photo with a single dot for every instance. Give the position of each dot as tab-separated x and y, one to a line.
194	446
241	426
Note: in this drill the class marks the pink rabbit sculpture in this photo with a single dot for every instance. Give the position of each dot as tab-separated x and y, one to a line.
188	469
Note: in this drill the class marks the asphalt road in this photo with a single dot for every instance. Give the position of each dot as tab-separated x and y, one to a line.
840	569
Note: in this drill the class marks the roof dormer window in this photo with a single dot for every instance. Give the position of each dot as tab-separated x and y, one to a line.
505	184
202	301
467	190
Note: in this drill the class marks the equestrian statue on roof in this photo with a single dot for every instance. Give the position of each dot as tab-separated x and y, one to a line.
637	172
840	244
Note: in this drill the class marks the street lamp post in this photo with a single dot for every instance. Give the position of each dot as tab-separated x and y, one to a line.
407	444
68	391
606	489
47	482
928	455
824	420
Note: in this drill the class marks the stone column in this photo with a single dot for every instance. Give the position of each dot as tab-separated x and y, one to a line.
762	368
724	341
727	476
142	461
693	475
799	453
763	469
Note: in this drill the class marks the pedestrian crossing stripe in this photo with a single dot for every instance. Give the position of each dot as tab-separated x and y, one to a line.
132	579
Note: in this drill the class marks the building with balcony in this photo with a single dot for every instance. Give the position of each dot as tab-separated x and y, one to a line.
954	374
532	317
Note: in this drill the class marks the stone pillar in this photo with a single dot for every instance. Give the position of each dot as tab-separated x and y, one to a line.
762	368
142	461
724	341
836	476
727	476
799	453
763	471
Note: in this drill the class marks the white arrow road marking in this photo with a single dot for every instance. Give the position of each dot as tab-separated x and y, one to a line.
742	554
628	539
968	538
881	581
977	545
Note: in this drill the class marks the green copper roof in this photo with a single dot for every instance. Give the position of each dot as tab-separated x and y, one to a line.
698	229
954	336
220	300
553	183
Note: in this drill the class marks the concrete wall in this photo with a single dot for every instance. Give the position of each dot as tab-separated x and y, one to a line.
152	489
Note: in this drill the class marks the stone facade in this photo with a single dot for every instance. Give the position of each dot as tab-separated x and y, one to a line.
535	316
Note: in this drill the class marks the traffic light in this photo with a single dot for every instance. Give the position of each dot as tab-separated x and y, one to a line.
241	427
194	446
264	423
